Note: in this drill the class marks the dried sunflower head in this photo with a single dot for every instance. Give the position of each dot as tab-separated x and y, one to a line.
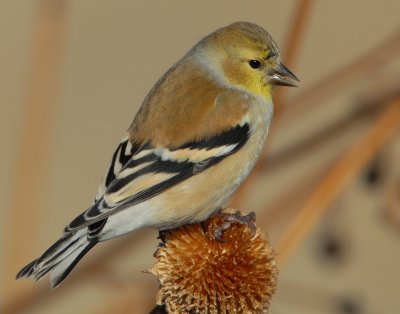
199	274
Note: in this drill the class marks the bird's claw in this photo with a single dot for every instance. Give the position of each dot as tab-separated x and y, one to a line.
228	219
162	235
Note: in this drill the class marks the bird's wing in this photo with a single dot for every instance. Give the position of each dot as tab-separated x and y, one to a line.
152	170
121	156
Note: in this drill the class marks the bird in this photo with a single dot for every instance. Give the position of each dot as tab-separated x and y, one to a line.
195	138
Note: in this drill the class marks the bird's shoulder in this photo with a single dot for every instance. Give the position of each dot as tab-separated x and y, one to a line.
188	104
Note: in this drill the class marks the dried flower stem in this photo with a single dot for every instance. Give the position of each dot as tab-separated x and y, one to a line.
351	72
39	116
159	309
293	40
338	177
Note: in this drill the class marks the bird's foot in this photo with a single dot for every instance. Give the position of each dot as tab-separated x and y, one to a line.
162	235
228	219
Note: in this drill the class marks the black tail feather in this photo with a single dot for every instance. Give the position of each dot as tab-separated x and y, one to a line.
27	270
55	283
60	258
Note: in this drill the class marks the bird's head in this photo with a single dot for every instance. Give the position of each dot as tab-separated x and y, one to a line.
246	56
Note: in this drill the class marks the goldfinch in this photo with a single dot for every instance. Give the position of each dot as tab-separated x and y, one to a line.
195	138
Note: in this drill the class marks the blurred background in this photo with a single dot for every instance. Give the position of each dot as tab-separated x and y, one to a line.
327	189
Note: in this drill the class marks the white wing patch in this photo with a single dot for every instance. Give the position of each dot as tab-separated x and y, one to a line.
193	155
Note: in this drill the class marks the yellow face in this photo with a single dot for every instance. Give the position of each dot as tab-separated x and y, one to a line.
248	58
250	69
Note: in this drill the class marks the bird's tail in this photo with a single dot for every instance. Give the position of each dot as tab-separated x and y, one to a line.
60	258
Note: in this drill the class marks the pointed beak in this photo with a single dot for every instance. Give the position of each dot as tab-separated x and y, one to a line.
282	76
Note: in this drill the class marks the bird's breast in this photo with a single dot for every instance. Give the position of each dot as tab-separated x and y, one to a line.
259	116
196	198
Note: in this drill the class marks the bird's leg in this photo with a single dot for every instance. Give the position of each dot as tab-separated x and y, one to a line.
162	235
204	226
228	219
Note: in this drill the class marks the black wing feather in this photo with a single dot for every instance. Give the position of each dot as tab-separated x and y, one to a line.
235	137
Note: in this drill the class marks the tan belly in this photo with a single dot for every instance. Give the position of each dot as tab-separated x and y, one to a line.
196	198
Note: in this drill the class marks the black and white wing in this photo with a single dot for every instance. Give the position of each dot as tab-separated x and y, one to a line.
151	170
121	156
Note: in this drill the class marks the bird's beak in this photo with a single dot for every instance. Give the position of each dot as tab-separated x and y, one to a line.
281	75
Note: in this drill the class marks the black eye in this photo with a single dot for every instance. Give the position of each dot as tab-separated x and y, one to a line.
255	64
